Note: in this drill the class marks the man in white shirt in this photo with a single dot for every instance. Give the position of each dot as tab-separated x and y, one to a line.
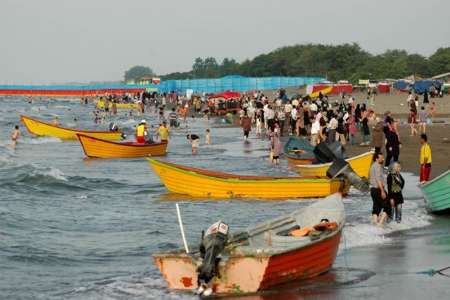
315	129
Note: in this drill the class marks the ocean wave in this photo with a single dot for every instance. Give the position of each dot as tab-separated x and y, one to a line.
359	233
40	140
120	288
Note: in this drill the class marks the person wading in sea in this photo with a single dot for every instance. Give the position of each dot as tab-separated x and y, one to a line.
377	191
246	124
15	135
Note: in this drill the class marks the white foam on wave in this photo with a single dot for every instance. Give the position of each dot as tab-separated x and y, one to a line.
51	172
359	231
41	140
145	288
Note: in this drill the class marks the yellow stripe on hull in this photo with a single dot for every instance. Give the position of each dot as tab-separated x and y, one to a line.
192	183
106	149
101	105
40	128
360	164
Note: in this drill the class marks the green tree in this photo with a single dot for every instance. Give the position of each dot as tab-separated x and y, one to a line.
137	72
440	61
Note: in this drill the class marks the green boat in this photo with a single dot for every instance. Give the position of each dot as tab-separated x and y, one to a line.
299	150
437	193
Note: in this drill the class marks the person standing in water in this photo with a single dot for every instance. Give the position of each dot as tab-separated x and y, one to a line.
195	140
163	132
15	135
377	192
246	124
425	159
395	183
276	145
208	137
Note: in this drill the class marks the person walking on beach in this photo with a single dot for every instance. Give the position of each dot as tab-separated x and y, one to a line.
377	191
15	135
392	143
422	120
425	159
173	118
378	135
395	183
412	122
246	124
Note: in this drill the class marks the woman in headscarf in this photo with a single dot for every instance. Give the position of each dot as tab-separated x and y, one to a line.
395	183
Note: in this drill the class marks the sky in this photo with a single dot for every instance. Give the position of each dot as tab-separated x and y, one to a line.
57	41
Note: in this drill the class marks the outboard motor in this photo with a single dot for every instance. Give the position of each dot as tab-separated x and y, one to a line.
113	127
326	153
340	167
213	243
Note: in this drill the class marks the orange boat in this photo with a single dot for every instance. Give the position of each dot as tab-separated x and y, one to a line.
41	128
300	245
99	148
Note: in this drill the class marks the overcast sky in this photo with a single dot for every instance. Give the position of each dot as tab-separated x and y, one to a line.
49	41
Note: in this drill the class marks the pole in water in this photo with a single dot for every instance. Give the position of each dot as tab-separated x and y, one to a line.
182	229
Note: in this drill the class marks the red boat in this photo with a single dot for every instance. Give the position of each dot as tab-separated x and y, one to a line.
297	246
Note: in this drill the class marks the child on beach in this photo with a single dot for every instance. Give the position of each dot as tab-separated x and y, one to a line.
208	137
194	139
395	183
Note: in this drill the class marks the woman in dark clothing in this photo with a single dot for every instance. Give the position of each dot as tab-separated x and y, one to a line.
365	130
392	145
395	183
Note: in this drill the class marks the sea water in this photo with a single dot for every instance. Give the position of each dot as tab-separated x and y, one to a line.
76	228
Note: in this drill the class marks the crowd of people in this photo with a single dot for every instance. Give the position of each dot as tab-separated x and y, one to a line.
320	120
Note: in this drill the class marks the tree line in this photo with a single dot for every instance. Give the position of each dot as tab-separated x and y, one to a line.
334	62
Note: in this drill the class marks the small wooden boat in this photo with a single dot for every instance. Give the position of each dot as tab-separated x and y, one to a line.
299	151
209	184
99	148
41	128
266	255
437	193
360	164
101	105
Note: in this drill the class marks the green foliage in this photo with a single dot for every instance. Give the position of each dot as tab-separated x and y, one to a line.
137	72
335	62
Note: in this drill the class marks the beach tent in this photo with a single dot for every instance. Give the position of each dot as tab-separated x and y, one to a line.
226	95
424	85
384	87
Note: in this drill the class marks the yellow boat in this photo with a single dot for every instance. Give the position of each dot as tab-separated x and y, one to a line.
94	147
41	128
101	105
202	183
360	164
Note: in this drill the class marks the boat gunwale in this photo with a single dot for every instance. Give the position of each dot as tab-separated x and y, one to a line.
83	136
312	166
240	178
23	117
421	186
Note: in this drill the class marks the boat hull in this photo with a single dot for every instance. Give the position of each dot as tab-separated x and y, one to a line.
437	193
40	128
190	181
360	164
262	272
99	148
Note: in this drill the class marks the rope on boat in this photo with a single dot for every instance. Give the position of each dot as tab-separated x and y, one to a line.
433	272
